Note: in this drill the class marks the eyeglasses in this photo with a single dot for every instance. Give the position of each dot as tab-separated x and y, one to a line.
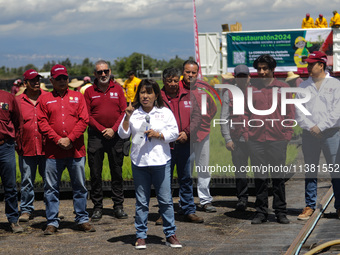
61	77
107	71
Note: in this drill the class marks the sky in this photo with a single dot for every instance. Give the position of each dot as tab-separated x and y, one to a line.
37	31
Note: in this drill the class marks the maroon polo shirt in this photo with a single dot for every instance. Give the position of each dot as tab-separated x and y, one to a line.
63	116
10	120
31	139
263	100
106	108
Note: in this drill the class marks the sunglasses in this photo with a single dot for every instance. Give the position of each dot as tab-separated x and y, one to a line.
61	77
107	71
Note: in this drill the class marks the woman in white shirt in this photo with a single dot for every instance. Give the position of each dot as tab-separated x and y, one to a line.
152	127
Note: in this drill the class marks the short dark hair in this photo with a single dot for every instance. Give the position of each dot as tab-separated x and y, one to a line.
129	73
171	72
190	62
265	58
324	65
150	85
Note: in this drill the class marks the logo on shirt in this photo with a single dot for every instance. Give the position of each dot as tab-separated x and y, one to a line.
50	102
74	99
114	95
187	104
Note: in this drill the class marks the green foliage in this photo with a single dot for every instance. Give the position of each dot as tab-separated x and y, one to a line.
120	66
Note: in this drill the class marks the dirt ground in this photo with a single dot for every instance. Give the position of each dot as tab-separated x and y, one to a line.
114	236
224	232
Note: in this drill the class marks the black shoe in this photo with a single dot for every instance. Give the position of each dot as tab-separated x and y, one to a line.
241	205
120	214
259	218
282	219
97	215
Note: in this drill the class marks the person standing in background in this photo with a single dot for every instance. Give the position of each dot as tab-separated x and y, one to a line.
178	101
307	22
10	130
32	154
106	105
130	86
235	136
321	22
200	130
63	119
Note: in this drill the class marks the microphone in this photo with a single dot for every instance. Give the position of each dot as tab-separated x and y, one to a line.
147	119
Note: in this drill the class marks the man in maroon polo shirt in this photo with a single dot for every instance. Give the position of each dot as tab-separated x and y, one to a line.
106	105
200	130
63	119
268	140
10	129
31	154
178	101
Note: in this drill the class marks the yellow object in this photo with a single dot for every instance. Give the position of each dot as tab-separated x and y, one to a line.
214	81
335	20
130	88
83	88
307	23
321	23
323	246
301	52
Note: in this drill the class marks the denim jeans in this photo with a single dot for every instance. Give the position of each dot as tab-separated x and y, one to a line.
311	148
159	176
180	156
54	170
28	168
8	177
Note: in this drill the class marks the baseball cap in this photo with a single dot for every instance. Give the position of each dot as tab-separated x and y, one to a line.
87	78
58	70
320	15
316	56
17	82
241	69
308	15
31	74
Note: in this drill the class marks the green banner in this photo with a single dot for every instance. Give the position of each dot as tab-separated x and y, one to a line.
289	48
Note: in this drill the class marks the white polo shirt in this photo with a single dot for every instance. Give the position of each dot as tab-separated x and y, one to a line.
324	104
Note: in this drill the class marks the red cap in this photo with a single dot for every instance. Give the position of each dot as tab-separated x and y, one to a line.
58	70
307	15
31	74
320	15
317	56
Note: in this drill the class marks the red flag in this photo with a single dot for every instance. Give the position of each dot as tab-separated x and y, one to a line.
197	49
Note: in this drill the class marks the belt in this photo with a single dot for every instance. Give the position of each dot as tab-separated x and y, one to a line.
2	142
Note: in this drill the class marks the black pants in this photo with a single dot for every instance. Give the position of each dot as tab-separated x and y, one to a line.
97	146
240	156
269	153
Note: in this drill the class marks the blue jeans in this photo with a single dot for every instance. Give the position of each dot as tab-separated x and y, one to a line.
28	168
54	170
159	176
180	156
311	148
8	177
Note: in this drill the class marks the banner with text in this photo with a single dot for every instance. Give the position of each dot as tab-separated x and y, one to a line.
289	48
